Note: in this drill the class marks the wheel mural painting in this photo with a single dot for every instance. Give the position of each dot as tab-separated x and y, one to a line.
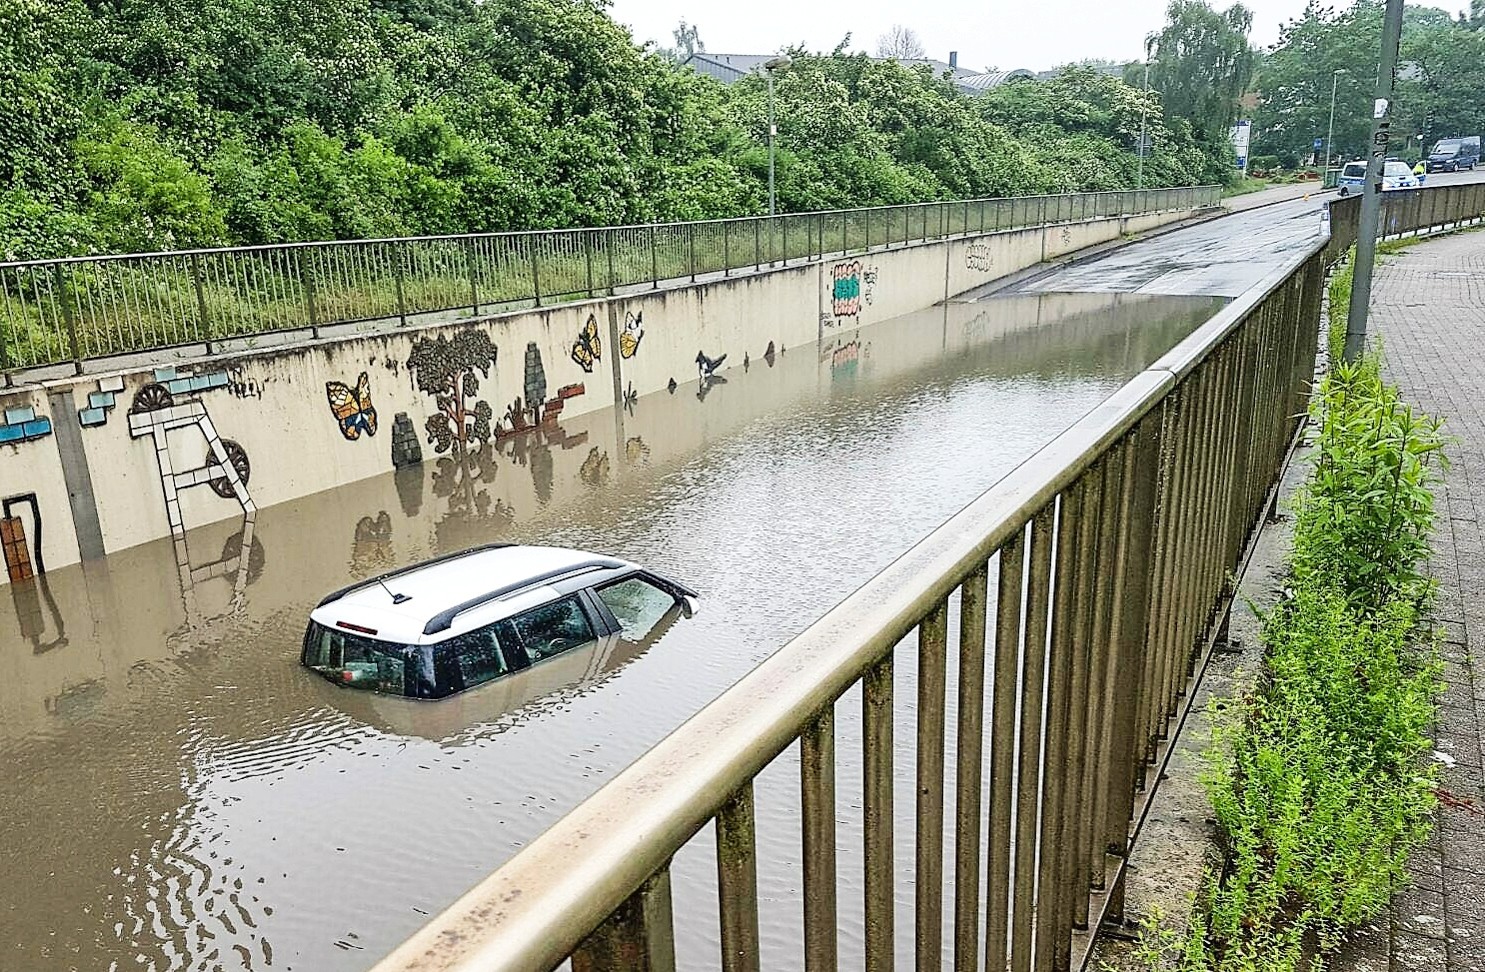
238	457
152	398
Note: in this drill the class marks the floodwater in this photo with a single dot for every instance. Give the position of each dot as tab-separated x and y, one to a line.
178	794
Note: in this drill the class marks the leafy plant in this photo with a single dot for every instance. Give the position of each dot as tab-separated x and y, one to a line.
1318	777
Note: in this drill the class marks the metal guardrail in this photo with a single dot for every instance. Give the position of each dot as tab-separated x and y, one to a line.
1405	211
1119	535
71	310
1108	553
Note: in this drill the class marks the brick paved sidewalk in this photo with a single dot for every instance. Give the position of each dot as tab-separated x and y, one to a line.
1428	308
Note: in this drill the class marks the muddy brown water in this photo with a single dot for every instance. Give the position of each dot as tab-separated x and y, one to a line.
177	793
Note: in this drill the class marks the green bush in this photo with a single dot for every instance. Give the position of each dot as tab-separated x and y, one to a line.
1318	777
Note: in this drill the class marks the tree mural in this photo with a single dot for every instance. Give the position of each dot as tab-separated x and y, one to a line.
446	369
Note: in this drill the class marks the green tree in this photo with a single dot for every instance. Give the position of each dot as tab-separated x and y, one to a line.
1201	63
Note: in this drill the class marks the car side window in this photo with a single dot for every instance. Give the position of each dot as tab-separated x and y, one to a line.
550	629
637	604
477	655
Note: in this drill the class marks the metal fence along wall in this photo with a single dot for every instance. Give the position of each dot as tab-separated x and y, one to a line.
56	311
1407	211
1118	538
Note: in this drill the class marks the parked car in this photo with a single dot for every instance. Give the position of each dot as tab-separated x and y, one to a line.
1352	178
1453	154
452	623
1397	175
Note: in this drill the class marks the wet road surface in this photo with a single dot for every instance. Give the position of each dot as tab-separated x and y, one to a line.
179	794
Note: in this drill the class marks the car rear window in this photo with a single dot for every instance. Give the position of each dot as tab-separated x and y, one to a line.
1354	170
1398	169
355	661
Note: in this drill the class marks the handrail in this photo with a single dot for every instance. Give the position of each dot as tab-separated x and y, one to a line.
1120	533
75	309
1206	190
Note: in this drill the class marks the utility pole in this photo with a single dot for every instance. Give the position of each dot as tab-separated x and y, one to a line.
1371	198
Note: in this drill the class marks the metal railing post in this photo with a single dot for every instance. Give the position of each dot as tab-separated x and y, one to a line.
203	324
757	244
533	245
399	259
654	261
691	248
69	316
726	251
588	257
610	240
306	280
474	293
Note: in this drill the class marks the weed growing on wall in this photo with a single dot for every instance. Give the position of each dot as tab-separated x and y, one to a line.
1318	777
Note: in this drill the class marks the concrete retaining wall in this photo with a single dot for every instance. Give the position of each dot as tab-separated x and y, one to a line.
303	418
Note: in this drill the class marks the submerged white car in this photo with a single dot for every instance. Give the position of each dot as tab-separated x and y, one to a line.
440	627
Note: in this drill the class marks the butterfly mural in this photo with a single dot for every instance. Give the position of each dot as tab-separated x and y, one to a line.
632	334
352	407
587	349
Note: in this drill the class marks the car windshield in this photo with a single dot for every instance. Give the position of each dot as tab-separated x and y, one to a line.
1446	148
1354	170
356	662
1397	169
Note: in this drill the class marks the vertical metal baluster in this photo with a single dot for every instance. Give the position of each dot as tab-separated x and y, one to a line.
1033	679
933	634
737	882
970	749
638	937
876	701
1002	750
1073	908
817	785
1101	667
1052	926
1132	598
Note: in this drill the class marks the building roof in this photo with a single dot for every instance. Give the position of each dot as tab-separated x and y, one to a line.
421	593
728	68
993	79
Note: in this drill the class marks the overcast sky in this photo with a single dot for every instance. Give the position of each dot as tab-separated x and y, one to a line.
1032	34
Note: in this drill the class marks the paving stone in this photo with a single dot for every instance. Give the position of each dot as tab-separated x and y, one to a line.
1434	359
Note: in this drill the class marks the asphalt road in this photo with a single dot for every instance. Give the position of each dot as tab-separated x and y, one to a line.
1219	258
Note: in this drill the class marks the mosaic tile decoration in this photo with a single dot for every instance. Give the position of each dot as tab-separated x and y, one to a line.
23	425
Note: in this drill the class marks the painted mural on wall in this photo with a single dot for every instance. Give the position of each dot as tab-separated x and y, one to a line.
587	350
977	257
155	412
23	558
352	407
632	334
853	286
450	371
845	293
596	468
535	411
706	374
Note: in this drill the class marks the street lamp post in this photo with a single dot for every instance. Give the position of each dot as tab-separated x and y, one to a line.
1139	182
1330	131
770	68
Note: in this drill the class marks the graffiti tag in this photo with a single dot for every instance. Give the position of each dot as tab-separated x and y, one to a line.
977	257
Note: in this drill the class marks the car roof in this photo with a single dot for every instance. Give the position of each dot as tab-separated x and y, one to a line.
440	598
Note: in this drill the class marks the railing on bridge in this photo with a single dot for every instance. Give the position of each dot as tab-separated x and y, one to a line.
1108	554
60	311
1407	211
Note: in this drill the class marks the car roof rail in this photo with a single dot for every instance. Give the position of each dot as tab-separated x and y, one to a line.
400	571
444	620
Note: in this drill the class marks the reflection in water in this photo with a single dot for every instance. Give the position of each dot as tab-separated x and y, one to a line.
180	794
